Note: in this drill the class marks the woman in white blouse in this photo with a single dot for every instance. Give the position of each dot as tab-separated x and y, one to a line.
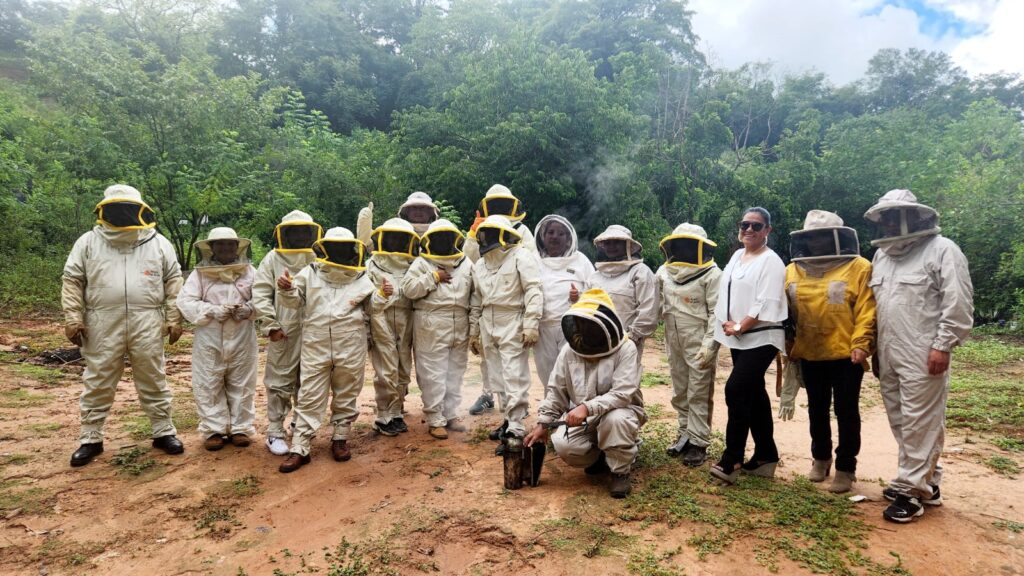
749	314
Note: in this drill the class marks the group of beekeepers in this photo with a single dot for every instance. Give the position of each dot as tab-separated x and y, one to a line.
417	288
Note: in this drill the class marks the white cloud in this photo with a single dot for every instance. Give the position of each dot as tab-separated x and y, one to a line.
838	37
999	48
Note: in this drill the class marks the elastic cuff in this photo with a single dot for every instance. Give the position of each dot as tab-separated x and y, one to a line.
941	346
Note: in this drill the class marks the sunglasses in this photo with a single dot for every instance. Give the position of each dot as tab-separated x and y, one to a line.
756	226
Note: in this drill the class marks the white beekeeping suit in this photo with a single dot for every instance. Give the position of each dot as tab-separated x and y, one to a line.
688	283
505	310
293	251
621	273
439	284
563	271
394	246
217	298
334	294
594	382
924	299
119	287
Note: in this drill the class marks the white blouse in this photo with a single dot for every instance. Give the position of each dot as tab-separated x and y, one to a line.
757	289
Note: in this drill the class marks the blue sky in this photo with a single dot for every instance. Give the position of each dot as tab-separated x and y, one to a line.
838	37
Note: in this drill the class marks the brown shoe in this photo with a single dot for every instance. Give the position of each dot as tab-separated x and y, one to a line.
340	451
438	432
293	462
240	440
214	443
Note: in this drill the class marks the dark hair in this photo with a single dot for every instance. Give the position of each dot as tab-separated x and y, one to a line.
763	213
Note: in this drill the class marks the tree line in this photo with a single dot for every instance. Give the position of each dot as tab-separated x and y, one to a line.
604	111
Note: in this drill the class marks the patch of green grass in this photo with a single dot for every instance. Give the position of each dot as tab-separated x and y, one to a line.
15	460
244	487
659	333
184	416
1003	465
182	346
651	379
980	402
132	461
654	411
657	436
479	434
819	531
138	427
578	536
650	563
1015	527
987	352
48	376
34	500
20	398
44	428
1009	444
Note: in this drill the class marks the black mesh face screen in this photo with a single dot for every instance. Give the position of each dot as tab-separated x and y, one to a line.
499	206
343	253
443	243
126	214
399	242
586	337
298	236
684	251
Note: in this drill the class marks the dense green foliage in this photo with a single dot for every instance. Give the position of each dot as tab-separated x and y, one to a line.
602	110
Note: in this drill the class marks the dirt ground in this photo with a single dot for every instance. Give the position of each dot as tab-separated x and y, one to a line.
410	504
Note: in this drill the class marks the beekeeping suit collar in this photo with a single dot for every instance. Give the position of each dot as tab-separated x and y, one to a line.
591	327
442	243
614	266
285	243
824	243
419	199
499	201
687	251
210	268
555	261
340	257
901	222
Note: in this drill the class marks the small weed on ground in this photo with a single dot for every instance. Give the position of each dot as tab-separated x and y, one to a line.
1015	527
244	487
650	563
44	428
1003	465
34	500
987	352
1008	444
48	376
22	399
132	461
578	536
651	379
15	460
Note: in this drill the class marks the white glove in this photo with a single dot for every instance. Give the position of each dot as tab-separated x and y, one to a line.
242	312
219	313
364	224
706	356
792	380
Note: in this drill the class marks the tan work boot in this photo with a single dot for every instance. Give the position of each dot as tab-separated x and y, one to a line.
819	470
340	450
842	482
438	432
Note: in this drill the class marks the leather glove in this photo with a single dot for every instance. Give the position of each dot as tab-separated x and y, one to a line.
242	311
529	337
474	345
792	381
476	224
706	356
219	313
364	223
75	332
173	333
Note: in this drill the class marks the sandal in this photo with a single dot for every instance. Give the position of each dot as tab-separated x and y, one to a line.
760	468
722	478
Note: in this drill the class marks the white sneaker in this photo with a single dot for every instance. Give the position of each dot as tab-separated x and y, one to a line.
277	446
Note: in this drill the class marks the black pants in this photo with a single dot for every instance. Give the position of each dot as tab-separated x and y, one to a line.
749	408
841	379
